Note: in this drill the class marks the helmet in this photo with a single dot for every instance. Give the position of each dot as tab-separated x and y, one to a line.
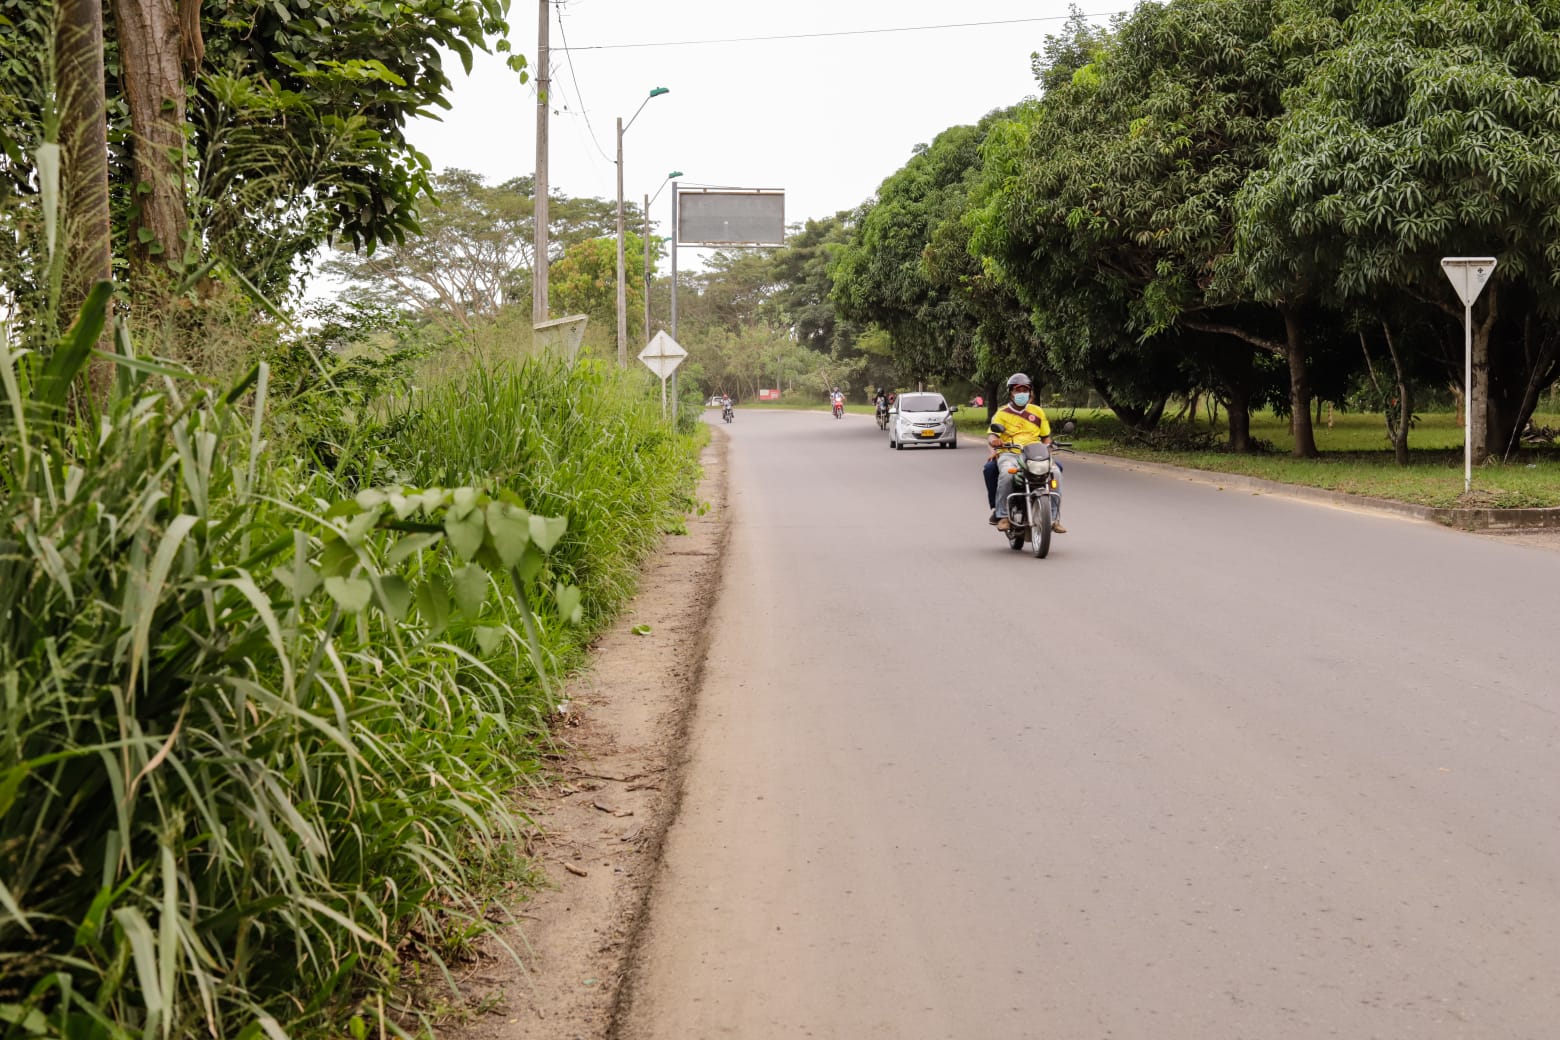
1019	379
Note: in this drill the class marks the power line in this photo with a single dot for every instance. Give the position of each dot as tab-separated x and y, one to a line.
841	32
578	95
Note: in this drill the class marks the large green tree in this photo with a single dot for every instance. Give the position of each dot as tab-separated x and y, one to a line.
584	281
1114	215
1428	131
472	253
250	130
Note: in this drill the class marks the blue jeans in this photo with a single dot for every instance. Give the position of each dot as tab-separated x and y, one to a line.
990	473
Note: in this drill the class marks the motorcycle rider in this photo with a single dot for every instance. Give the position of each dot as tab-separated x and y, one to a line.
836	399
1022	423
880	401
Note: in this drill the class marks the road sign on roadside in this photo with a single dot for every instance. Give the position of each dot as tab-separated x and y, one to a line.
1468	275
662	357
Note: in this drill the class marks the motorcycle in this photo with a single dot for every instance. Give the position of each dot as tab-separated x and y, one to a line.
882	415
1035	498
839	409
727	414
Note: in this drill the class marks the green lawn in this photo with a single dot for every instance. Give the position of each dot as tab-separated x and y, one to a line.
1356	458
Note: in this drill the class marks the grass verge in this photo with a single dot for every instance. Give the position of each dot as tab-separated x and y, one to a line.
259	729
1356	458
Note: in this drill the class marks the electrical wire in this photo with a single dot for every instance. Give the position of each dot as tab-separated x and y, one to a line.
578	94
840	32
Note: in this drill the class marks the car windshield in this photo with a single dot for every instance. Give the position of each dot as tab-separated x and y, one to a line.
922	403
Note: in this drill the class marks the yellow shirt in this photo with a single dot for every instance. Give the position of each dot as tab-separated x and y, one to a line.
1023	428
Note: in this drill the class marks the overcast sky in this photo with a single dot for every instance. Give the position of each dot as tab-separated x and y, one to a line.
825	118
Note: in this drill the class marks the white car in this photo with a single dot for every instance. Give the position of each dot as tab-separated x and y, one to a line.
921	418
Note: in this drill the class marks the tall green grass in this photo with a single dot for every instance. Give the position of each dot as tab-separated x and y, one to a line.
586	442
257	738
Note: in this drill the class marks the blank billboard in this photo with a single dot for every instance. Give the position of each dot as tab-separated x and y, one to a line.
730	218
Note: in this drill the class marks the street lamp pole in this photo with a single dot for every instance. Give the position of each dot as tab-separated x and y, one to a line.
674	258
622	285
650	201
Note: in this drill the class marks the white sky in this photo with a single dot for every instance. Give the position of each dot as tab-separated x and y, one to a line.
826	119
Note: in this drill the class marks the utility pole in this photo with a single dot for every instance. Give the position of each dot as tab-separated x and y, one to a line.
539	212
622	290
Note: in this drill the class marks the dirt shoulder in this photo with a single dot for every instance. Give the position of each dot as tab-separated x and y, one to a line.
600	824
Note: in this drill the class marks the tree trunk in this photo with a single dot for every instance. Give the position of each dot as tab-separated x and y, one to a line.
1299	386
1240	427
152	53
1479	392
84	220
1405	402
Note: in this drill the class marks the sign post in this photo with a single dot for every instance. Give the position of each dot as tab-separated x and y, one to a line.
1468	275
662	357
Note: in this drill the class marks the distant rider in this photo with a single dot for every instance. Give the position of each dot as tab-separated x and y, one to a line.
1022	423
880	402
836	399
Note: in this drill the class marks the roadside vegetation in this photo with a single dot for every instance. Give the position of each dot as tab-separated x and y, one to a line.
285	591
1352	458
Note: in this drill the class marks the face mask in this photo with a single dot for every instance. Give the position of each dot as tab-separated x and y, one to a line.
1021	399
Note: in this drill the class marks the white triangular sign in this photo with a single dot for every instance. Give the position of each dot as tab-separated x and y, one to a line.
1468	275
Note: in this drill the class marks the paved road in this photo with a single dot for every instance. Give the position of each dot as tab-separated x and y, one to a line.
1263	769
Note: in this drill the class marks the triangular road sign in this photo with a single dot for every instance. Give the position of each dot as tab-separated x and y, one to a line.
1468	275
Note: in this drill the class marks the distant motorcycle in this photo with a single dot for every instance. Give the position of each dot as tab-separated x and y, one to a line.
882	415
727	414
839	409
1035	498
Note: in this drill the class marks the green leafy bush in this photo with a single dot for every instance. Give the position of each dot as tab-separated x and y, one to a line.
257	741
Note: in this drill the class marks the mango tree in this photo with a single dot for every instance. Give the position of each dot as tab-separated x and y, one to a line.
1428	131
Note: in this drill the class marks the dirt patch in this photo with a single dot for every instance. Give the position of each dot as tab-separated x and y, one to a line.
600	824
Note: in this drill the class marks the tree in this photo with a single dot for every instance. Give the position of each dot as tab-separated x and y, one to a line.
880	276
472	253
1114	213
1428	131
584	281
256	130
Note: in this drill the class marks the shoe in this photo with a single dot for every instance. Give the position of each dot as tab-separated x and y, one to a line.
1003	525
1057	527
993	520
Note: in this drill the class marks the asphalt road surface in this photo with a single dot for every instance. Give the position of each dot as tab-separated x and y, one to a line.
1224	766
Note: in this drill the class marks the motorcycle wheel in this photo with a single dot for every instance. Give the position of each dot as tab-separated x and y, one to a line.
1042	511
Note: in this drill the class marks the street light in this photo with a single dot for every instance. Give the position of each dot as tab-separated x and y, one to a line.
648	200
622	288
